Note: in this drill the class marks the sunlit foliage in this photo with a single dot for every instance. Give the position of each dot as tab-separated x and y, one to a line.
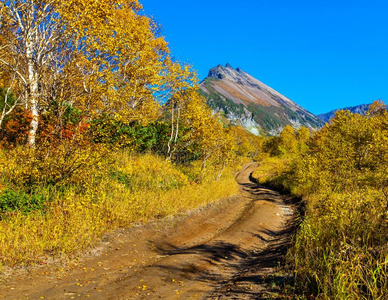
88	90
341	248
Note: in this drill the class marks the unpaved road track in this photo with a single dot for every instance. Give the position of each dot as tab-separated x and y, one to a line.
226	251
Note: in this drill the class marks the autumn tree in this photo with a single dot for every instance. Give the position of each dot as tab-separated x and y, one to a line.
29	38
349	152
216	144
288	141
123	66
182	87
247	144
99	57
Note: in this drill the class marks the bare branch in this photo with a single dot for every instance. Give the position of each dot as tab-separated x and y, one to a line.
6	112
15	70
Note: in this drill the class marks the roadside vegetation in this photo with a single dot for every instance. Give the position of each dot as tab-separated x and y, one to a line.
59	197
44	220
341	248
100	128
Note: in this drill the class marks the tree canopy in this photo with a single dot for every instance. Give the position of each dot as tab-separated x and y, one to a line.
99	57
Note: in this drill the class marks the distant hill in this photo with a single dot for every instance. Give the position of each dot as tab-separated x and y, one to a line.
246	101
359	109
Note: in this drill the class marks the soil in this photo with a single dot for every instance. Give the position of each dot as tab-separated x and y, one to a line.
231	250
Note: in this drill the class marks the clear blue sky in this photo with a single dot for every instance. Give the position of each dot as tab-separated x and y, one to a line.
323	54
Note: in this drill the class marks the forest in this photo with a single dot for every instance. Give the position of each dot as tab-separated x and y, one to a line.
100	129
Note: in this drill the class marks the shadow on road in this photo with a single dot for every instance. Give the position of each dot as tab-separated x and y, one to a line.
265	268
245	268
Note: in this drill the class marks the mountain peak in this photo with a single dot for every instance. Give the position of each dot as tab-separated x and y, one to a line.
227	72
249	102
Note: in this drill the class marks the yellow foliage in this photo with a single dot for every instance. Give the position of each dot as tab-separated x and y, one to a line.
100	57
149	171
247	144
121	62
341	248
67	162
217	144
288	141
74	220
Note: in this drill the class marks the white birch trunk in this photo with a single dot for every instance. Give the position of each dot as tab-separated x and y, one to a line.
172	133
33	92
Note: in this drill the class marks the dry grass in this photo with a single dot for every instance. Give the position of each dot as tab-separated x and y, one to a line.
272	171
133	189
341	248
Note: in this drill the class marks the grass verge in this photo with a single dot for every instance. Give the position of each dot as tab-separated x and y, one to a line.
133	189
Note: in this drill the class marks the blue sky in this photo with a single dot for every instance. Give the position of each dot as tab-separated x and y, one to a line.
322	54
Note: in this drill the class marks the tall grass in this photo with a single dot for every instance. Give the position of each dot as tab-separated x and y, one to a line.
125	190
341	248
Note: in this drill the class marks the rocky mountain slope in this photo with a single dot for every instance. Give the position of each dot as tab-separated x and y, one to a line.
359	109
246	101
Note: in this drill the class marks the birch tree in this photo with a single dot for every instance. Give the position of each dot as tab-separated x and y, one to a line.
101	57
31	36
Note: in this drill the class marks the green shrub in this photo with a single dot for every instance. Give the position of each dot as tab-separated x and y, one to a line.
12	200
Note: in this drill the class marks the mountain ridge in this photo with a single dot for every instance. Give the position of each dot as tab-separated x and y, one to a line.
246	101
358	109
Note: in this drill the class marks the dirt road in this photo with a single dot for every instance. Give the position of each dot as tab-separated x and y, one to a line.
225	251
